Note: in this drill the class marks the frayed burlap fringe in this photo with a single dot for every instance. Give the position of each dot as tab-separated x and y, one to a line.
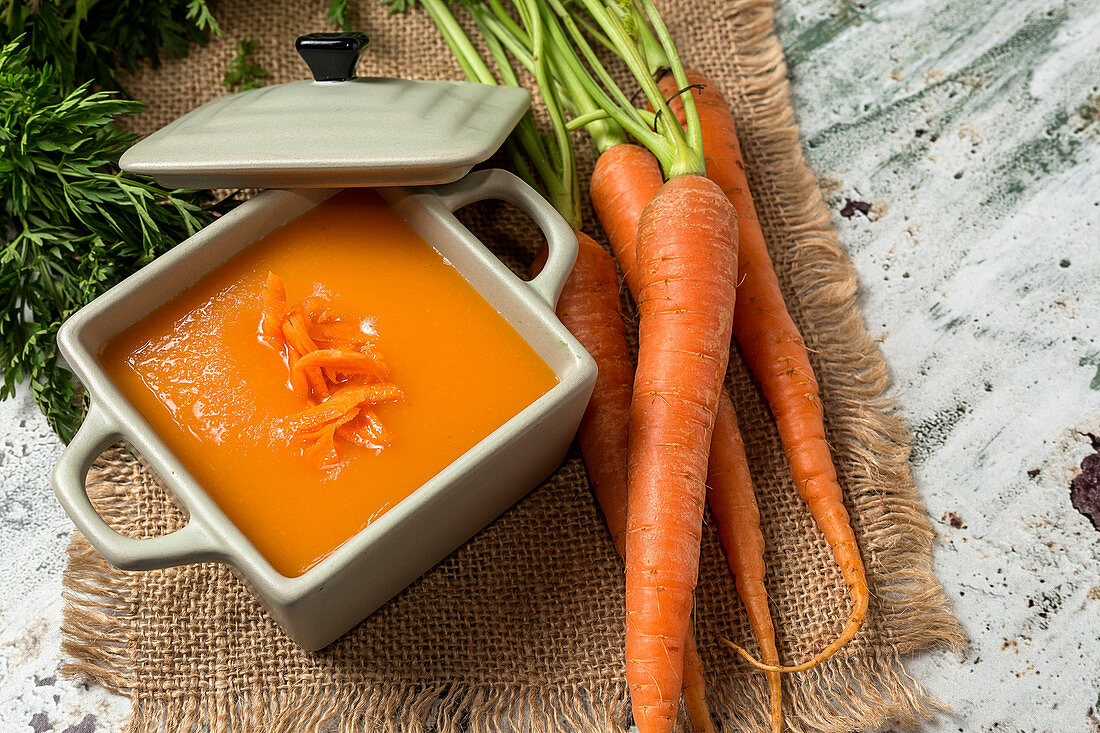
570	677
400	709
95	631
864	427
98	646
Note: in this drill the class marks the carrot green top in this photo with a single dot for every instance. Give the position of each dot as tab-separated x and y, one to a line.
551	40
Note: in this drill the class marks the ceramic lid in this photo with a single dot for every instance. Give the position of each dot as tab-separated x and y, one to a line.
333	131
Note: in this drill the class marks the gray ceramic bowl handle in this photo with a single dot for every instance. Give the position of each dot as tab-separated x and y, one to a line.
187	545
560	239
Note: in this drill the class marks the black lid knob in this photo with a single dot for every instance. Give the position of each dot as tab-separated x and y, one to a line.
332	56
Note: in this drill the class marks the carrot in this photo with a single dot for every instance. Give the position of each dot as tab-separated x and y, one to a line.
625	178
687	264
344	362
732	500
294	330
589	308
274	310
366	430
337	422
777	357
694	688
322	451
334	332
314	309
298	380
314	417
343	379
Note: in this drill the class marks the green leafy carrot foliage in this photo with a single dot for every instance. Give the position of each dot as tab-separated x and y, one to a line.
71	224
243	73
338	14
95	40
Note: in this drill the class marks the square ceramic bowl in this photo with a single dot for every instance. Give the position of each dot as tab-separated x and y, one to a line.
370	568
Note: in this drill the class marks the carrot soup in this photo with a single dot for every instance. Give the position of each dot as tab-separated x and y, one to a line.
323	374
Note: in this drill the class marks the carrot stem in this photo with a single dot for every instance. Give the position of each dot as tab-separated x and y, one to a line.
464	52
691	123
614	101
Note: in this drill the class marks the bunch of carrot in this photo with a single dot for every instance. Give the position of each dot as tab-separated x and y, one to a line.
334	364
660	440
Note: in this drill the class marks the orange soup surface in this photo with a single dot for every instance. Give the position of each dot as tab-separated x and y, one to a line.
216	392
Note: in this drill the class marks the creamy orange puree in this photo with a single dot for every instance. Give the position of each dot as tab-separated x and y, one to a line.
215	393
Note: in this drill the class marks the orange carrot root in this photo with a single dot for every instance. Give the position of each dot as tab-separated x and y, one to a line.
687	267
694	689
345	362
626	177
589	308
732	500
274	310
778	358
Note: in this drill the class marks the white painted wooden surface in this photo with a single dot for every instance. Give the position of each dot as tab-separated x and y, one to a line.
972	131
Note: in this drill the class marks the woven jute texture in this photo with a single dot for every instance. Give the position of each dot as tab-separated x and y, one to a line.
522	628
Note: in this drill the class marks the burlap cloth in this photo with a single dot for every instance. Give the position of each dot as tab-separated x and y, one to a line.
523	625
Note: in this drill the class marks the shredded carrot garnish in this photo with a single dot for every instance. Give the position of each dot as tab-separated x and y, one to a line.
322	451
366	430
274	311
338	422
315	309
342	332
312	418
294	329
334	364
298	381
344	363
